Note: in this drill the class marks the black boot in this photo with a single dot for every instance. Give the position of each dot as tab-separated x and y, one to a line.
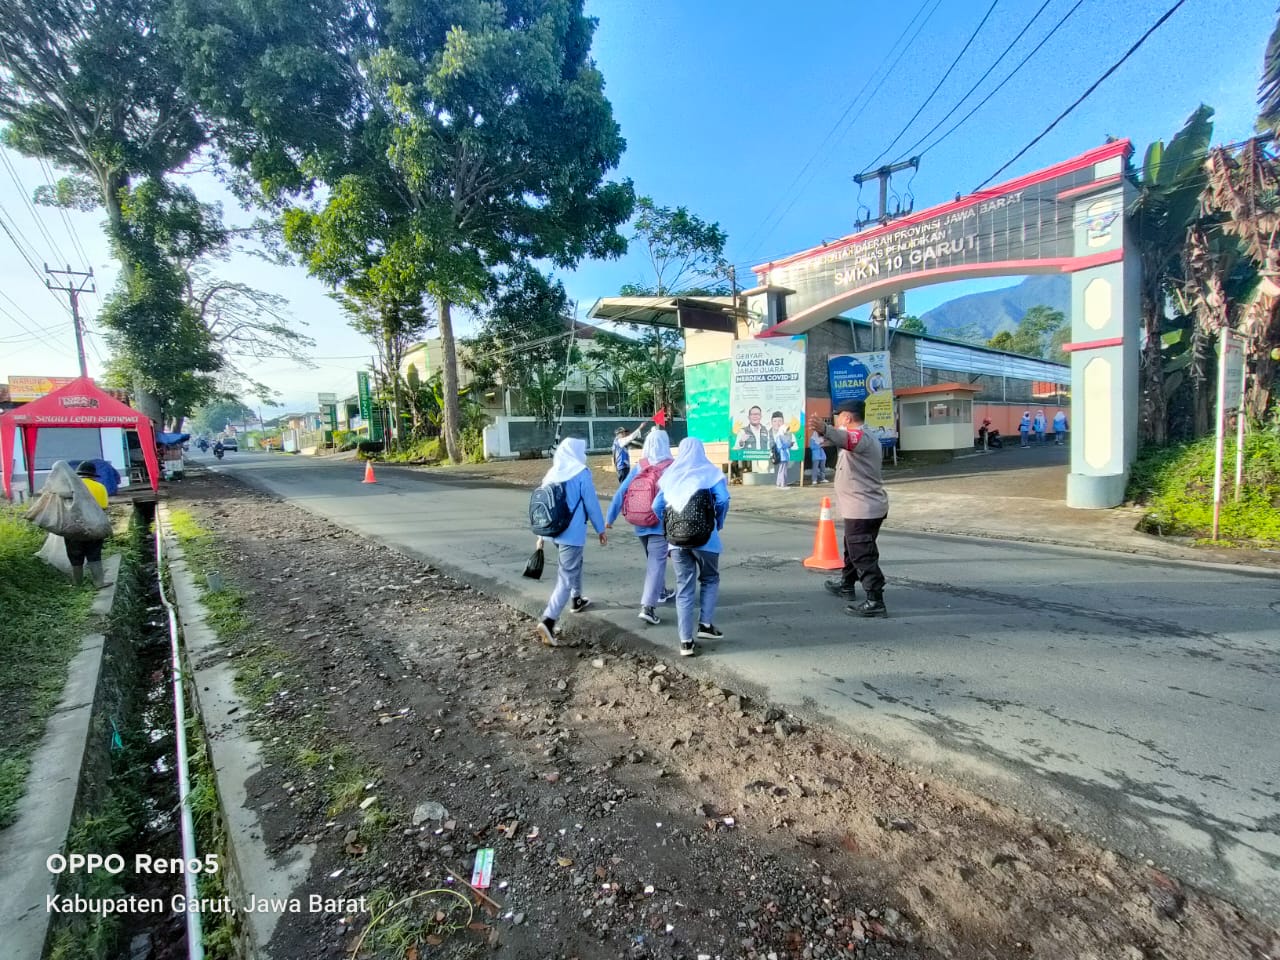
845	591
873	606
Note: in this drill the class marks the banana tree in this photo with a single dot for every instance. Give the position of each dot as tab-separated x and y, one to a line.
1168	203
1244	197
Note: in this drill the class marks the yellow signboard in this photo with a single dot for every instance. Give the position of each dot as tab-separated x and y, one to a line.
26	389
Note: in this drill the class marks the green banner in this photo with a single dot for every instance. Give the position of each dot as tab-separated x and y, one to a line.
366	401
706	388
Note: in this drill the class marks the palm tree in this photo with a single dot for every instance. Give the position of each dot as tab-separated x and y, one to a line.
1269	88
1168	203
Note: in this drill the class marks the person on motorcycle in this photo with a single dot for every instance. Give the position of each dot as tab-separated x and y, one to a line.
218	449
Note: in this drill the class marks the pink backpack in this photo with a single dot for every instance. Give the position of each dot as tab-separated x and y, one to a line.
637	503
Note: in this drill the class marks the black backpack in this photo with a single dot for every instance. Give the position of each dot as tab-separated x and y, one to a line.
693	525
549	513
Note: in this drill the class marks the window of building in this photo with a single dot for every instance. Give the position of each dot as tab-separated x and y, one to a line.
951	411
915	414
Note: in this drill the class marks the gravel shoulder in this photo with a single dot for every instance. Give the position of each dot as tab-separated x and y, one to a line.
633	811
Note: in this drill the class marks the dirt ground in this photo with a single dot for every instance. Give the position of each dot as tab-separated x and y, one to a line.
634	812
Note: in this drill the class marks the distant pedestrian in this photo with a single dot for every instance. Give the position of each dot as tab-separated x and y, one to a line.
781	443
863	503
621	452
1059	428
1024	429
634	500
818	454
693	502
1039	425
569	486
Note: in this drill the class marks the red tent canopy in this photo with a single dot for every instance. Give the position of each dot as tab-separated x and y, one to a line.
79	404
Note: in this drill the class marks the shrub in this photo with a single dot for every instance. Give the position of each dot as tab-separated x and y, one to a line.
417	450
368	448
1175	484
473	444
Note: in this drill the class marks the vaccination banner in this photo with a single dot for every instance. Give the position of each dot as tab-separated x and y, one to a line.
766	397
866	377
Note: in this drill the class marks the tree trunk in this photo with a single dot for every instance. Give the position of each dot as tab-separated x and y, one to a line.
112	182
1155	409
397	398
1199	371
449	365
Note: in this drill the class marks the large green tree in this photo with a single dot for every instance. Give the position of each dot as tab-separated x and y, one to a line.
686	258
391	322
524	341
454	138
1040	333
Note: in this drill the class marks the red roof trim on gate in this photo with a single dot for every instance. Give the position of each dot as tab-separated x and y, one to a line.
1120	148
1092	344
998	268
1085	188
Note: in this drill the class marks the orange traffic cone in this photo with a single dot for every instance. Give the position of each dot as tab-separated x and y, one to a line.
368	473
826	555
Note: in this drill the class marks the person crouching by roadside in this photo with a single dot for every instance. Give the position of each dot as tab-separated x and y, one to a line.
88	553
634	500
693	502
861	497
569	468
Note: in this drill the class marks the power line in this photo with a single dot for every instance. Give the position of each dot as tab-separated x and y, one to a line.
970	92
1084	96
849	107
1000	86
934	92
66	220
26	199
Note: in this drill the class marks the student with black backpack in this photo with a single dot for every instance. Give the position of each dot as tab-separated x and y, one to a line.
693	501
559	510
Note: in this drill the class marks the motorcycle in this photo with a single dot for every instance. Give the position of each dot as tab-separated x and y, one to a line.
988	439
217	452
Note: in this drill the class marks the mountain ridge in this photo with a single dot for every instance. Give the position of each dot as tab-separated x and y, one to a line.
1002	309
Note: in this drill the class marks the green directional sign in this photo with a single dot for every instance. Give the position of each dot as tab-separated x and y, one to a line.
366	401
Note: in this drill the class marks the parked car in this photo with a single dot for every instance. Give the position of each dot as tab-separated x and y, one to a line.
229	443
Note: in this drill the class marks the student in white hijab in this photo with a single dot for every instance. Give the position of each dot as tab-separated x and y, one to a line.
696	567
569	467
634	500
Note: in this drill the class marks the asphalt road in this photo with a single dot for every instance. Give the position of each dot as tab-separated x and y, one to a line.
1133	699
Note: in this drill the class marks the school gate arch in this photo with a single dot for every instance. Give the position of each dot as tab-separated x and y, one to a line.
1068	218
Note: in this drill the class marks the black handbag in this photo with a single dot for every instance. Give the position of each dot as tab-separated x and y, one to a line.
533	569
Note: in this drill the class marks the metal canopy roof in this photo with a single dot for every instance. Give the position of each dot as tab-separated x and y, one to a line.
677	313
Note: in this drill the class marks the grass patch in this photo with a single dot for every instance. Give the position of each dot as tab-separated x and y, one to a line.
42	620
1175	485
417	923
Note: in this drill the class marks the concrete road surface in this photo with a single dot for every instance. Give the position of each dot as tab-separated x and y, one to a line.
1136	700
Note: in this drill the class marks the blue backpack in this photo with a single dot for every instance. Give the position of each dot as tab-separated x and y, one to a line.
549	513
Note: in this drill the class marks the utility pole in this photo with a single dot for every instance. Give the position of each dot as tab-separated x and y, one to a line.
881	309
77	282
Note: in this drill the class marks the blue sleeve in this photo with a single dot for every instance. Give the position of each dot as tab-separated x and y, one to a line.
615	507
591	500
721	493
659	505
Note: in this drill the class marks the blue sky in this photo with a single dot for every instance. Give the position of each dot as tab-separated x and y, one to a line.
723	104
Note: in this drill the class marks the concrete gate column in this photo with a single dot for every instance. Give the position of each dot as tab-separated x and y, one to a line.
1105	347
